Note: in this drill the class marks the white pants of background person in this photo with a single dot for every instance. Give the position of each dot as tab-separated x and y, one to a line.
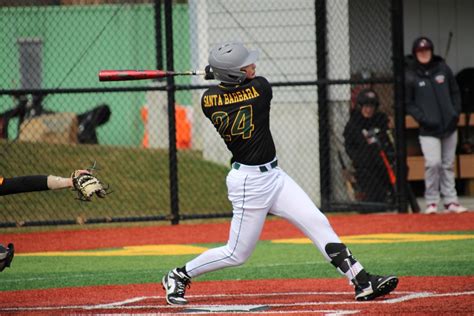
254	194
439	154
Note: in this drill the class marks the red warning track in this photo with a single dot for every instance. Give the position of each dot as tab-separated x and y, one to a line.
93	238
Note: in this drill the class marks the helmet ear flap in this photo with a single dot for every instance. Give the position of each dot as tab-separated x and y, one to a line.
228	75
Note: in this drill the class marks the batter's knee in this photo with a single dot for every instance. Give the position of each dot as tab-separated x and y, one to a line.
237	261
238	257
317	218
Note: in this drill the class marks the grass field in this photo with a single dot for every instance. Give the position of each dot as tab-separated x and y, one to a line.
138	178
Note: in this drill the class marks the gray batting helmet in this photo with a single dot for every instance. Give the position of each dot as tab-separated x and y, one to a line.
227	59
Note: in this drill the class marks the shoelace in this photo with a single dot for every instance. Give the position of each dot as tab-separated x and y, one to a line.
181	285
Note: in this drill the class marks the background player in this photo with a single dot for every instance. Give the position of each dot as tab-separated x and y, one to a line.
434	100
239	108
371	175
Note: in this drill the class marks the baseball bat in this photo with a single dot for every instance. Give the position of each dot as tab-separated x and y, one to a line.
348	177
123	75
448	45
392	177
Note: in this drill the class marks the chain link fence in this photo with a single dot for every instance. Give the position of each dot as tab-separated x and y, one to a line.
149	140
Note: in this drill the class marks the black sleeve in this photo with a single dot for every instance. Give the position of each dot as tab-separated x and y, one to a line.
24	184
382	121
383	136
351	143
266	86
359	150
410	104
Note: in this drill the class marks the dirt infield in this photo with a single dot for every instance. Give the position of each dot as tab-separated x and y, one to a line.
414	295
421	296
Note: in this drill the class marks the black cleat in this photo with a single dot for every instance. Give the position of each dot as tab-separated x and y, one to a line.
377	286
175	284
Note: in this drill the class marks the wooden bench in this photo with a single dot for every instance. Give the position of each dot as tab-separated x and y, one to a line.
464	162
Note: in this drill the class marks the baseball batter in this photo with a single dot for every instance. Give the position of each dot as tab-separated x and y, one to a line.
239	109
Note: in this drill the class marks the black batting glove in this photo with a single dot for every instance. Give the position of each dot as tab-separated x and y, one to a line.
209	74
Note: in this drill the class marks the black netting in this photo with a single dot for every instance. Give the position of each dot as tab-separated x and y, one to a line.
56	116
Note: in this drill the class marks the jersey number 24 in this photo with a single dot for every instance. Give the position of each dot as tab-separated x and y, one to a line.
241	125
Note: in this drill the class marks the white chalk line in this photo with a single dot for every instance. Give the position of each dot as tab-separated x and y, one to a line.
423	295
326	312
138	299
322	311
121	305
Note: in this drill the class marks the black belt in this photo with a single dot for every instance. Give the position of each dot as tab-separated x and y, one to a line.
262	168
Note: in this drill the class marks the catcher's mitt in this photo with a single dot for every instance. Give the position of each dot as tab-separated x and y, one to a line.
86	184
6	256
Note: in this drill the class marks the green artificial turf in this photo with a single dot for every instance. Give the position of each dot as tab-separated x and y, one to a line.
269	261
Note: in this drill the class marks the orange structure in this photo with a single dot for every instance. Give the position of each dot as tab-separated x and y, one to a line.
183	127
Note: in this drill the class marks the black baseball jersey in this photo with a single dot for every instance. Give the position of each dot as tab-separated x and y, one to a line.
241	115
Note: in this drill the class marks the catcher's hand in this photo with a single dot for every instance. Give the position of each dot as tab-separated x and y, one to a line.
86	184
6	256
209	74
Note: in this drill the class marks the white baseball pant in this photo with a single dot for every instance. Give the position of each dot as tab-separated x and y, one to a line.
254	194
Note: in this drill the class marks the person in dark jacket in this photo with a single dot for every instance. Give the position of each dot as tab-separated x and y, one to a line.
365	135
433	99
